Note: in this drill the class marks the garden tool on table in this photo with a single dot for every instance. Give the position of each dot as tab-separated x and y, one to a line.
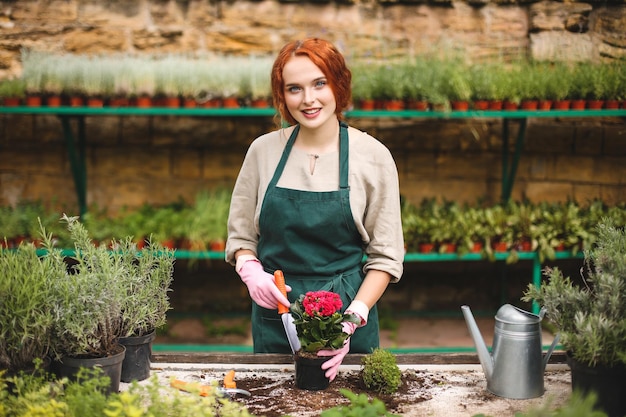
290	327
229	387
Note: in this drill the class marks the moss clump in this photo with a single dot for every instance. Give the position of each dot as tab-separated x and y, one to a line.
380	372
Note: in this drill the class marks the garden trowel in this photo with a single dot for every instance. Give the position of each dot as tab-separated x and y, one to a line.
290	328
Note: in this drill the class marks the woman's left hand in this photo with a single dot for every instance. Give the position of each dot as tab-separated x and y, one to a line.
332	365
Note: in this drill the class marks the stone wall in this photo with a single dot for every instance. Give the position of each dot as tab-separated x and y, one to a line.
135	160
131	161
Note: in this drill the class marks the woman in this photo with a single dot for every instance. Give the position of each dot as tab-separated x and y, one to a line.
312	199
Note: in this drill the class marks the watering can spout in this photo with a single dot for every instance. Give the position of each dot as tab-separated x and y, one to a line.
484	356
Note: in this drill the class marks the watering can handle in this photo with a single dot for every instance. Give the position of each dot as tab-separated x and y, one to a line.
550	350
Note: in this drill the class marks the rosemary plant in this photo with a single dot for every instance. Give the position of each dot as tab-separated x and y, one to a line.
591	317
26	304
88	306
148	276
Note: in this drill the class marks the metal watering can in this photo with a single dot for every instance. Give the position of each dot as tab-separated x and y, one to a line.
515	367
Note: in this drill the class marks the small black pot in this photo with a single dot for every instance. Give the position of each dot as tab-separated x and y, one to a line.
136	364
607	383
309	373
110	365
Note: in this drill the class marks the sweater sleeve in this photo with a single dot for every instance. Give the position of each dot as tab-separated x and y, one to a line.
376	206
248	193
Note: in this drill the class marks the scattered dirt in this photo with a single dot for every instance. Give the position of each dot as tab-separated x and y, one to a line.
268	395
450	391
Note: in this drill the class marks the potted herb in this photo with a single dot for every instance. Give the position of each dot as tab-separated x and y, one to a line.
26	303
457	86
591	317
12	91
208	218
147	279
33	64
87	308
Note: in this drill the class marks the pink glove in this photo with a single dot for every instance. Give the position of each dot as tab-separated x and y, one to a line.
261	285
332	365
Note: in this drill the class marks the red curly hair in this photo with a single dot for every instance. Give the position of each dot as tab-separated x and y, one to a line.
327	58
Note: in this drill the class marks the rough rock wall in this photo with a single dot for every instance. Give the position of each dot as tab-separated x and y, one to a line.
367	28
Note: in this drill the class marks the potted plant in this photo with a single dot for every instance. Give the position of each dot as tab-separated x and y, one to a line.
591	317
318	320
416	84
87	308
363	85
420	226
259	83
26	303
168	78
143	85
147	279
208	218
33	70
12	91
457	85
557	77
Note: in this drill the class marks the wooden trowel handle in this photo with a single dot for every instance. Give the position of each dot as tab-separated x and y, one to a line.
280	283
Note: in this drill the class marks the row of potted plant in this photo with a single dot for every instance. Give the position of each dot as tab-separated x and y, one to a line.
425	82
175	80
429	227
75	312
441	83
200	225
513	227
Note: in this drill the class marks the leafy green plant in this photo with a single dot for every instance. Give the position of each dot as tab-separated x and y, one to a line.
557	77
34	69
380	372
88	300
13	88
360	405
318	319
208	218
591	318
26	302
363	82
148	276
458	86
38	396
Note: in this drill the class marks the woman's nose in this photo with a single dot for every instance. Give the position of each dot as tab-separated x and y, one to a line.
309	96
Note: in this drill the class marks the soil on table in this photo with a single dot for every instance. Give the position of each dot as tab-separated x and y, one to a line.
458	392
271	398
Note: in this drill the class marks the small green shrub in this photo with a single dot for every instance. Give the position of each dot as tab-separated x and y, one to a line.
380	372
359	406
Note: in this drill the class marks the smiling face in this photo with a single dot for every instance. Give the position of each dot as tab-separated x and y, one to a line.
325	60
308	95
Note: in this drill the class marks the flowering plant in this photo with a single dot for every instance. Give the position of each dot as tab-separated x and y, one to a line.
318	319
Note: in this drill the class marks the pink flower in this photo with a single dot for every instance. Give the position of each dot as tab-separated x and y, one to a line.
321	303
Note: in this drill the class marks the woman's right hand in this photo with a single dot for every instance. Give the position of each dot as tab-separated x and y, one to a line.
261	285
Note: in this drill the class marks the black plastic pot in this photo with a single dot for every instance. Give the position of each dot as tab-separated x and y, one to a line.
110	365
136	364
309	373
607	383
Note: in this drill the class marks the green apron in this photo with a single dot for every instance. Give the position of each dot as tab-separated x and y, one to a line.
312	238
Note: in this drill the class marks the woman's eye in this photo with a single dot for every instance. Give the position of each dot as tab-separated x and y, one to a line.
294	89
320	83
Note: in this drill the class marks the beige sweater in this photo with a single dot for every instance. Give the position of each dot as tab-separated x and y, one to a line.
374	194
